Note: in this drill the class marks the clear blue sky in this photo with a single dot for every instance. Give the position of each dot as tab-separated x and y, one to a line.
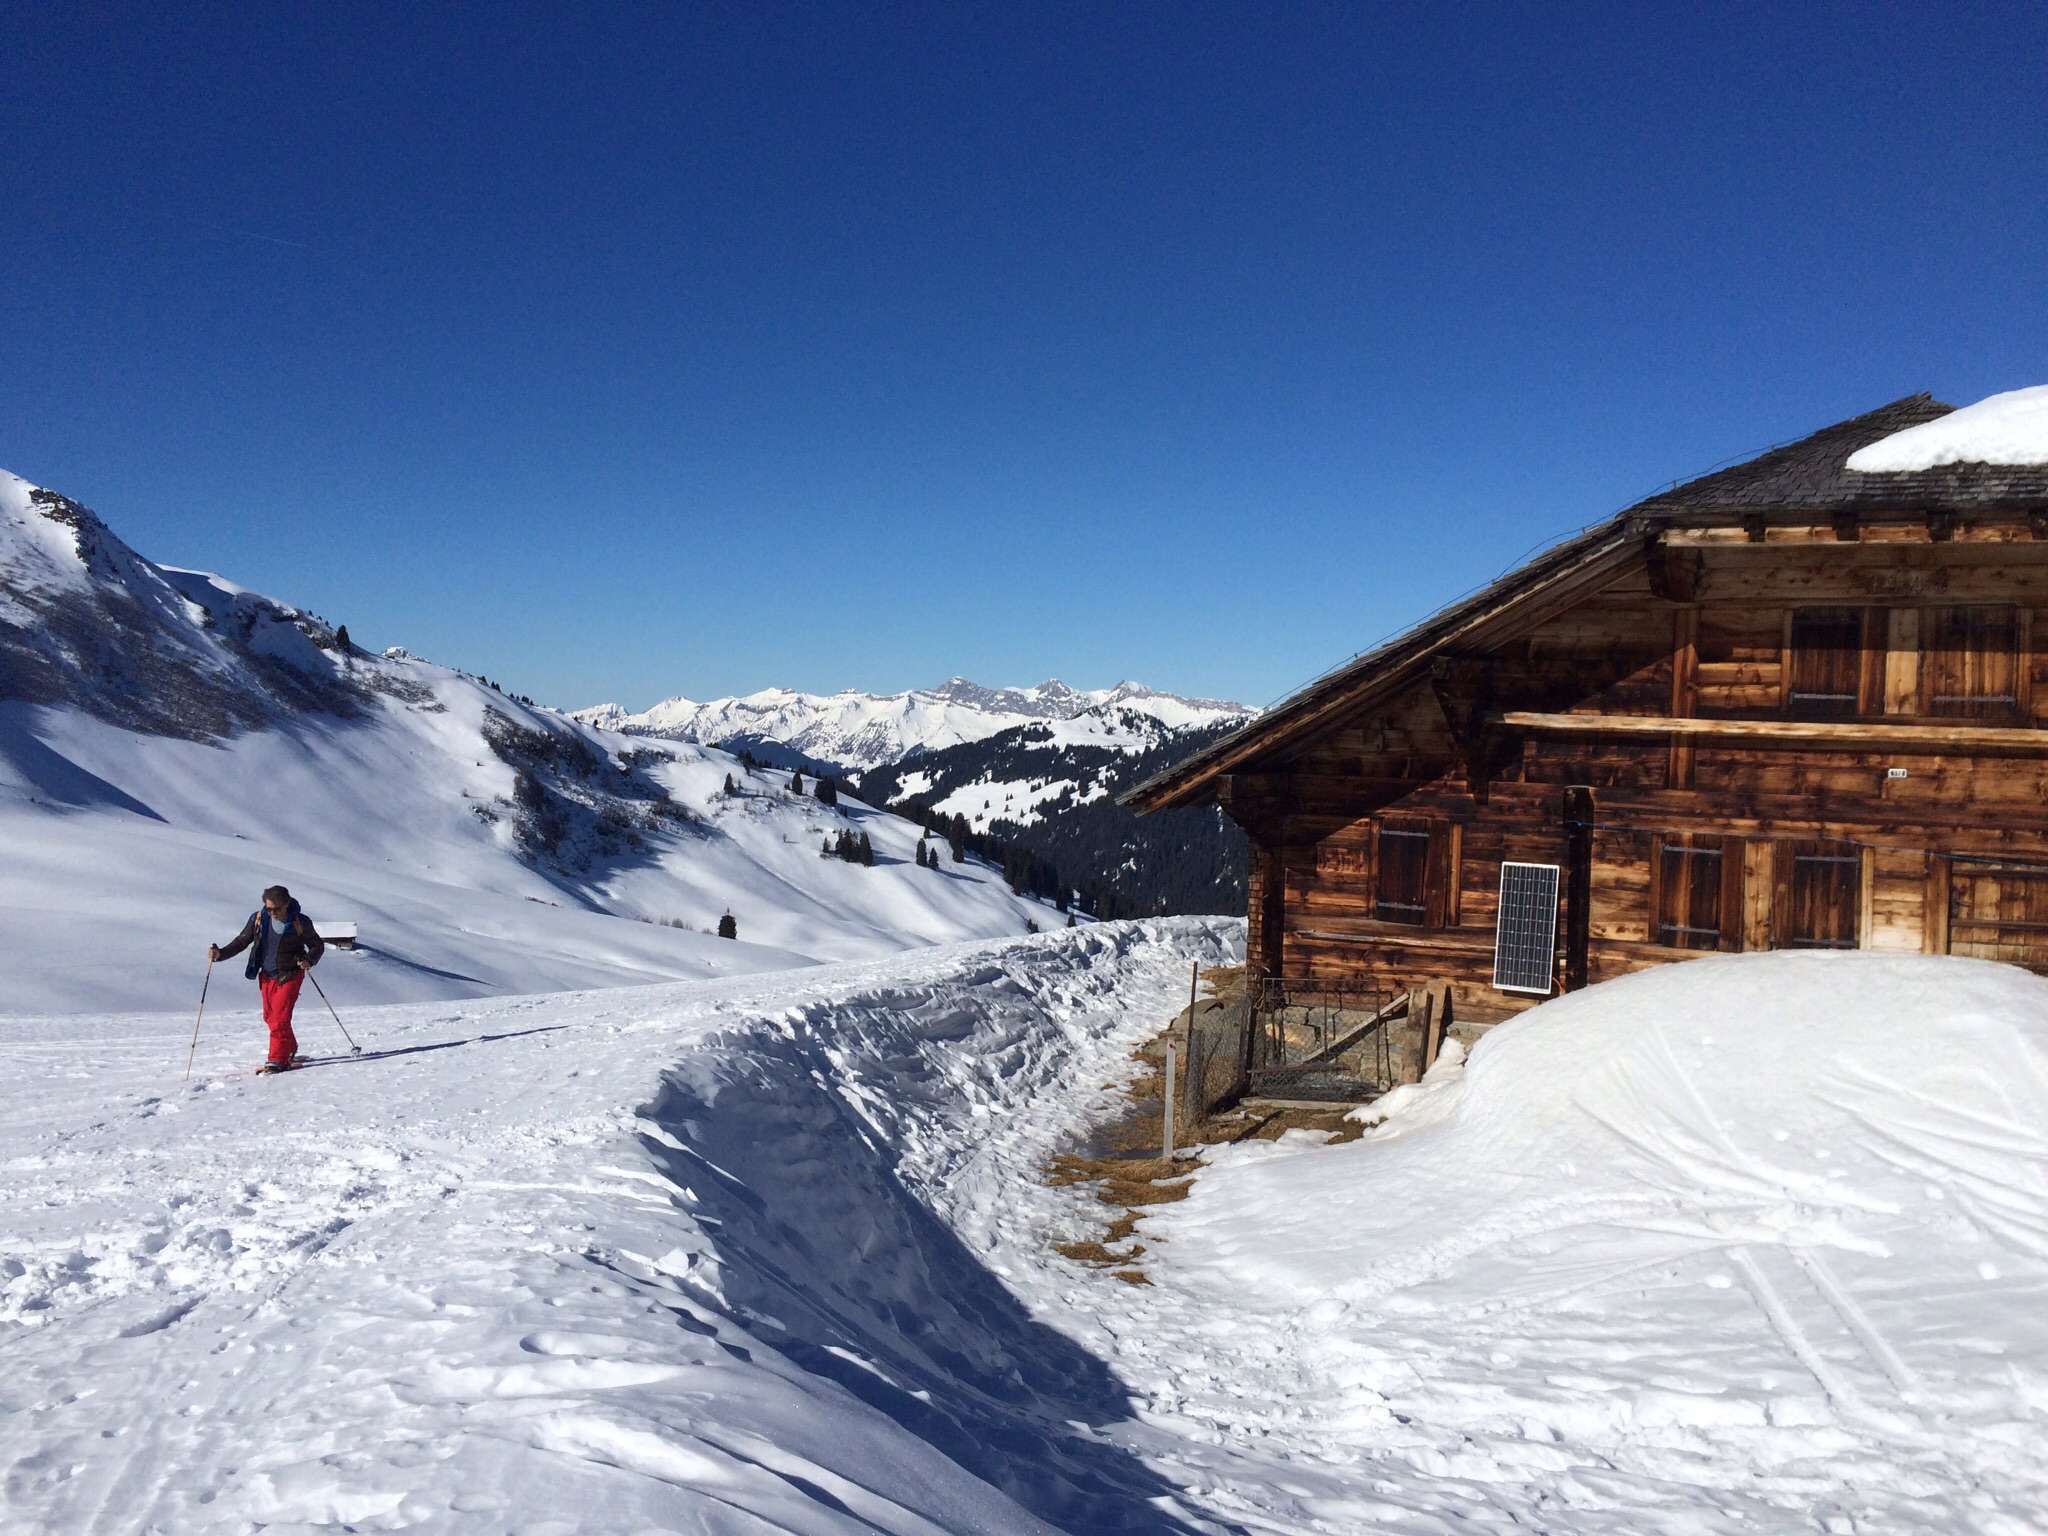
624	351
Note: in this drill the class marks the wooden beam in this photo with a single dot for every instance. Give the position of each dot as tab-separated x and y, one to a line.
1758	861
1935	896
1826	735
1578	881
1464	692
1902	662
1685	692
1474	626
1674	573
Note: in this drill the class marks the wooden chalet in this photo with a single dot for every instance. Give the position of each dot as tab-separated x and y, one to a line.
1786	705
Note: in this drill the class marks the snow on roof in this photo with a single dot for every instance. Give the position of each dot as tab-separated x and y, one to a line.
2011	428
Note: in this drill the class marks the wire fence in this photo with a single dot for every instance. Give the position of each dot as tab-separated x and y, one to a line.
1316	1038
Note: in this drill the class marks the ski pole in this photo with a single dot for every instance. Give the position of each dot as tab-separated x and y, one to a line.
356	1049
197	1017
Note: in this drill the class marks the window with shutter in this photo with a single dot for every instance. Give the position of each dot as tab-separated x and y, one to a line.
1689	889
1826	892
1401	873
1827	662
1972	659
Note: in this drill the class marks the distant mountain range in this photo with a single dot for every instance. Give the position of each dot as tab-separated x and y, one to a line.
850	732
1024	777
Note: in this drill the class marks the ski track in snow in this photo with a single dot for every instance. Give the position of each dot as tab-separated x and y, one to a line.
770	1253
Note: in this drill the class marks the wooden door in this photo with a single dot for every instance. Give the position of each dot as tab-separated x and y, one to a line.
1999	912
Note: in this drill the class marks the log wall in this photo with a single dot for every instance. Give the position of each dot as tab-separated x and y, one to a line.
1931	843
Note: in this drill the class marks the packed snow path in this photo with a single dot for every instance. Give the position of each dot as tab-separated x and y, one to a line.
1755	1244
666	1258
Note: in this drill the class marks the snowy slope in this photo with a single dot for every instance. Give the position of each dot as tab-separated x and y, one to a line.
1756	1243
852	731
1051	790
170	743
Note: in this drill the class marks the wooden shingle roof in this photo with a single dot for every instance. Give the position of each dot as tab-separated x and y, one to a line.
1804	481
1810	477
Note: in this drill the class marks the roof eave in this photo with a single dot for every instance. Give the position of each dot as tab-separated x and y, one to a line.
1353	686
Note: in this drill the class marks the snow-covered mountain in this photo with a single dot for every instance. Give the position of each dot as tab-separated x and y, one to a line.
170	743
1050	790
851	731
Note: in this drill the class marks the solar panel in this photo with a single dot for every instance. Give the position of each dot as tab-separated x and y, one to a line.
1525	936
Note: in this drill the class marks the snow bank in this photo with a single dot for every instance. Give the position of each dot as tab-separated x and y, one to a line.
2011	428
1750	1243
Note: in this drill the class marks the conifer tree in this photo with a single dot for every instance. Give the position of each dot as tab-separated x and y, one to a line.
730	787
921	851
728	928
827	791
341	639
867	850
796	782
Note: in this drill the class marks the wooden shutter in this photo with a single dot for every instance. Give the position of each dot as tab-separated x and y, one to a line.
1971	656
1826	681
1401	872
1825	887
1690	881
1999	912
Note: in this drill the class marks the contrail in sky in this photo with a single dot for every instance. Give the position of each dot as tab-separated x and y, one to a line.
229	229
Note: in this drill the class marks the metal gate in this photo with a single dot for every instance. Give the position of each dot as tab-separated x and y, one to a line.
1318	1038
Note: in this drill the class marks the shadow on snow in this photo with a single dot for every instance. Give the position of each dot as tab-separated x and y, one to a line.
816	1232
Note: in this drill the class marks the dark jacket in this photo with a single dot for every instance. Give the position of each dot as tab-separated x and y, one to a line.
297	942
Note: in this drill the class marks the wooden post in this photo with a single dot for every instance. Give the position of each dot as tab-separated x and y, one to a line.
1166	1119
1685	672
1418	1025
1935	899
1436	1021
1578	857
1759	865
1902	662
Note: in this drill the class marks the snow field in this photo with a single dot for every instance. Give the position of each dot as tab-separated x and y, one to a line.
1015	800
709	1257
1754	1243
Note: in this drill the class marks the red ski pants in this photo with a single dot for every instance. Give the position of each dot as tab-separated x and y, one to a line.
279	997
